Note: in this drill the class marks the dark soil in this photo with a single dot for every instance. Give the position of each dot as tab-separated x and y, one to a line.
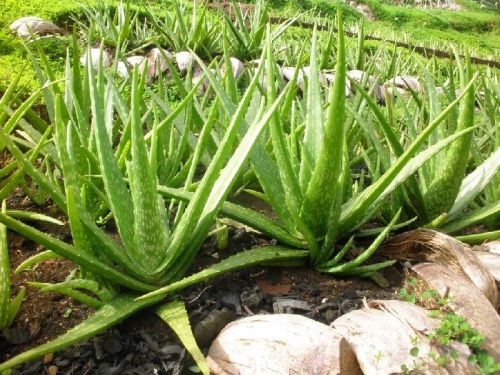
143	344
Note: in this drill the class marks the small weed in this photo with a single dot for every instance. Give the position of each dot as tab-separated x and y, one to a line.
453	327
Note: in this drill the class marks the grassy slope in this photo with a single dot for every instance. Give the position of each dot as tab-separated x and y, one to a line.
12	54
474	28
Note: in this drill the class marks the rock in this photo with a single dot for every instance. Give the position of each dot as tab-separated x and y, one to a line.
402	83
280	345
26	26
184	59
288	72
209	327
330	78
287	305
330	315
197	77
157	62
465	300
112	345
251	298
140	61
122	70
16	336
369	82
236	66
364	9
95	58
383	334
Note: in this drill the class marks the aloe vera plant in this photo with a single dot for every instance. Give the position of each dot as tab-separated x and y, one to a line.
129	156
306	187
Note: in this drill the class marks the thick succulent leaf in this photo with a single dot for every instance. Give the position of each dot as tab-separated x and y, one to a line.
107	316
475	182
322	194
150	239
409	168
354	212
116	189
4	275
175	315
38	257
224	182
243	215
262	255
74	254
34	216
200	201
28	167
313	134
473	217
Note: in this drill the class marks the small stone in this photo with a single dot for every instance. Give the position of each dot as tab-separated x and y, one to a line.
112	345
209	327
288	305
62	363
98	348
251	298
16	336
330	315
47	358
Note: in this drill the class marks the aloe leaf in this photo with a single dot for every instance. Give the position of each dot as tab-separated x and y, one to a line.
442	192
175	315
76	255
365	255
263	255
474	183
118	196
60	288
313	134
28	215
412	187
200	199
243	215
473	217
15	305
475	239
224	183
290	180
354	212
36	175
39	257
322	192
4	275
150	240
366	270
410	168
107	316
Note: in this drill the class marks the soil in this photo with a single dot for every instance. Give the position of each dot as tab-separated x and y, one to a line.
144	344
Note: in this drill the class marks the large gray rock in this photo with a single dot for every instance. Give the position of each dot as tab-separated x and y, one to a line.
26	26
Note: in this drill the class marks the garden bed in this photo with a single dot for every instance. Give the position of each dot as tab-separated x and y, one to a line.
143	344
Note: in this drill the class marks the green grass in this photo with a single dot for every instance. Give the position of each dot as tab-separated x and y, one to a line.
476	29
13	56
